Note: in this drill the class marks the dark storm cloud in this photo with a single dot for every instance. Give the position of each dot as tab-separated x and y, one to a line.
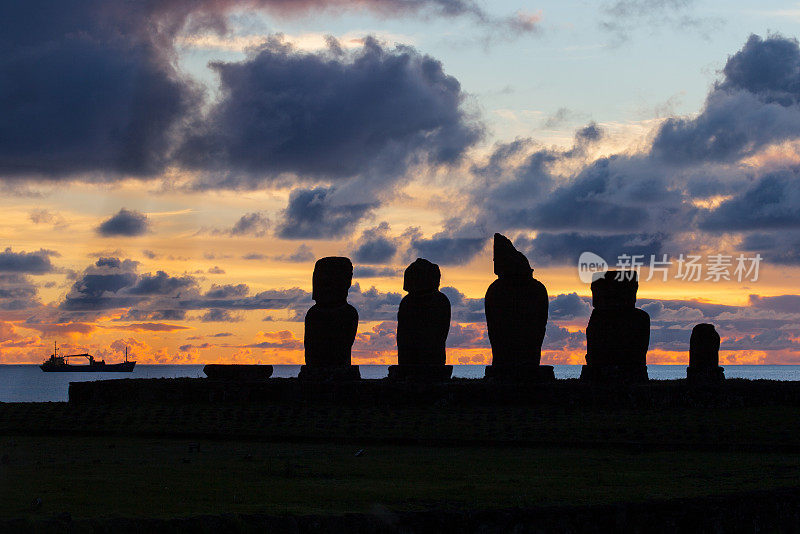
227	291
457	244
163	314
446	250
516	184
375	245
569	306
374	305
755	104
467	336
471	310
605	196
589	133
559	338
707	185
769	340
293	299
255	224
284	344
98	288
312	214
98	293
645	203
781	246
216	315
779	303
474	336
380	339
766	214
769	68
463	308
303	254
516	189
129	223
91	90
732	125
766	324
17	292
702	309
364	271
564	249
116	263
114	284
161	284
497	164
672	322
85	90
772	203
26	262
381	110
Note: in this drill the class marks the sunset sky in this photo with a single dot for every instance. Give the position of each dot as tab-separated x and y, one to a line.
171	169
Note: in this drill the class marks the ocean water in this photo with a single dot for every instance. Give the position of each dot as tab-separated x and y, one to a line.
28	383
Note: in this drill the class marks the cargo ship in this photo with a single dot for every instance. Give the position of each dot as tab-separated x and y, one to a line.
60	364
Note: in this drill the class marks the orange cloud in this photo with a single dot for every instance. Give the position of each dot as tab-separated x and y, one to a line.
71	330
149	327
276	340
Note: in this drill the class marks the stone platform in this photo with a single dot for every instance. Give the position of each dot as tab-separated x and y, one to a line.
521	373
629	374
421	373
454	392
238	372
329	373
701	375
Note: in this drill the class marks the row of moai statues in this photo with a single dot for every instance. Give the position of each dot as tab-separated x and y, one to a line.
516	305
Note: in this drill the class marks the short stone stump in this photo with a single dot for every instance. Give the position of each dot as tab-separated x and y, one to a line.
329	373
609	374
705	375
520	373
237	372
421	373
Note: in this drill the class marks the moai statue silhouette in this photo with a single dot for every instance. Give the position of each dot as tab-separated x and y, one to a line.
331	323
618	333
516	316
423	321
704	355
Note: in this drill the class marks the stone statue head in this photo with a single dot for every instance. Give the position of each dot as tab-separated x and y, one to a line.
615	289
704	338
421	277
331	280
508	261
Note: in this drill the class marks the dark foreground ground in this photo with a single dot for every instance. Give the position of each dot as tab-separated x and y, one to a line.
304	467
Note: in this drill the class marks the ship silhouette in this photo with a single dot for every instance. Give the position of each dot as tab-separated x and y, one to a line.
60	364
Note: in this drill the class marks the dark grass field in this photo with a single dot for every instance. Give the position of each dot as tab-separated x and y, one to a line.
288	459
759	428
161	478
